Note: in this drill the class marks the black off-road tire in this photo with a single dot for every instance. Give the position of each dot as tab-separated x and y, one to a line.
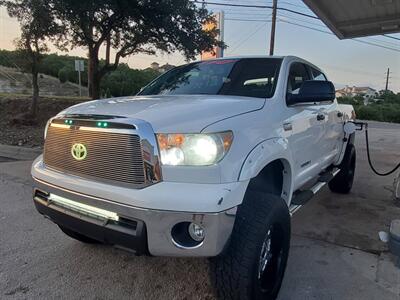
78	236
235	273
343	181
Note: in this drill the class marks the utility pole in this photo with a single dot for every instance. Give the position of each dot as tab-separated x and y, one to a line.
387	80
272	42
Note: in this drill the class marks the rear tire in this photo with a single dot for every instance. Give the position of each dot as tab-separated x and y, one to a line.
78	236
343	181
253	265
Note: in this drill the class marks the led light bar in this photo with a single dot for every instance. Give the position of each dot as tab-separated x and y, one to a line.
83	208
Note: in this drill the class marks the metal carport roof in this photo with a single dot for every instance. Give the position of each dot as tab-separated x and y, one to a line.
357	18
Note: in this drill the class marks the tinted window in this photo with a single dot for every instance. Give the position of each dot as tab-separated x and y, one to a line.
252	77
297	75
318	75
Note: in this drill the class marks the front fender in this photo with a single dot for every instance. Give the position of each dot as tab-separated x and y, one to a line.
265	153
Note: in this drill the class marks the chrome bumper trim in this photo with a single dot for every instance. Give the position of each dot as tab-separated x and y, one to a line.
159	223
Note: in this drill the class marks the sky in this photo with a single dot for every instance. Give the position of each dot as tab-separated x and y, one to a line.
247	32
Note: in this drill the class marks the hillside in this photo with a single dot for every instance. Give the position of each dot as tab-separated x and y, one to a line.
15	82
121	82
13	105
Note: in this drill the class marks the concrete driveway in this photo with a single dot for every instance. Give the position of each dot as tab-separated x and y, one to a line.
335	253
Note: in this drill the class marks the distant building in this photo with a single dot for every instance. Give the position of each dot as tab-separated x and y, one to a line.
155	66
163	68
166	68
366	92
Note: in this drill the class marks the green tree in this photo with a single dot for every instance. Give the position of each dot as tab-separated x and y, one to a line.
37	26
127	27
63	75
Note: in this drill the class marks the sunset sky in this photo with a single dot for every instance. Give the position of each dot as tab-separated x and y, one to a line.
247	31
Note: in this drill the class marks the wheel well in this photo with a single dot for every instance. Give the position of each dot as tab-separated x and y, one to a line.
270	179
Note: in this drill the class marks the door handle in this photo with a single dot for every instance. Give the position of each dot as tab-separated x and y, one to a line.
320	117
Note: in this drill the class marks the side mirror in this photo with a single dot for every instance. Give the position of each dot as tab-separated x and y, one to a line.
312	91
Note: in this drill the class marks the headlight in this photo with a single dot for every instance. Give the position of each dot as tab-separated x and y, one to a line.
193	149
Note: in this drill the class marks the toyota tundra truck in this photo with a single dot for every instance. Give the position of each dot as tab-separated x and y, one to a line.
211	159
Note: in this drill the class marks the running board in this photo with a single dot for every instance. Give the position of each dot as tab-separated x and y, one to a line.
302	197
328	175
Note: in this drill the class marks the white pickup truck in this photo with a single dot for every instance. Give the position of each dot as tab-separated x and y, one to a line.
209	160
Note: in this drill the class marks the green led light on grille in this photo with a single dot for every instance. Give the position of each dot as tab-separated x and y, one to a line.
102	124
68	122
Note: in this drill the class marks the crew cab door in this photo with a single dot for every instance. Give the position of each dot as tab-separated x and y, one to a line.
304	127
331	140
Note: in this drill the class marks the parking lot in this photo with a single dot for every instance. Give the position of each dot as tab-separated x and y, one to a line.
335	253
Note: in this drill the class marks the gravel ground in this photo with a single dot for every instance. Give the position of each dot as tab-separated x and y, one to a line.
13	106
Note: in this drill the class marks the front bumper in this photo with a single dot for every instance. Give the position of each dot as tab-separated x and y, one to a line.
139	229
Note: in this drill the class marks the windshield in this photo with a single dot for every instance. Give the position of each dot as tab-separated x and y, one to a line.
250	77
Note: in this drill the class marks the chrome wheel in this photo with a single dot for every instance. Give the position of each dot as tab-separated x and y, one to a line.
265	254
270	267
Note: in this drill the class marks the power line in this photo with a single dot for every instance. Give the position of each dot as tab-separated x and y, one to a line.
330	33
296	24
302	20
377	45
247	38
305	26
351	70
246	20
256	6
390	44
249	15
314	29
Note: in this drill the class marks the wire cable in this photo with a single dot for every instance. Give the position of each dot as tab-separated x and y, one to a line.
257	6
327	32
299	13
238	45
246	20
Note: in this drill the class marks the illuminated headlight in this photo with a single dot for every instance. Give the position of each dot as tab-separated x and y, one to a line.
193	149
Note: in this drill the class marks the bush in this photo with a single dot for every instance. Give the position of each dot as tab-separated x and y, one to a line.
386	109
63	75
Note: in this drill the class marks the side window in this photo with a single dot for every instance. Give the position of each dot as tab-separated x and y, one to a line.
297	75
318	75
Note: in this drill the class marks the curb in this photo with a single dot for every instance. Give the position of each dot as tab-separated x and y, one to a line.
19	153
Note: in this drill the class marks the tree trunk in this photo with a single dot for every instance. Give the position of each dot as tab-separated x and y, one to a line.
35	95
93	74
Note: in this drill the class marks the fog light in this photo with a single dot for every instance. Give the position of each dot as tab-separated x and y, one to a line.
196	232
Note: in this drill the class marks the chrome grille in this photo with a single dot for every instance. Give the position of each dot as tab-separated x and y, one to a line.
111	156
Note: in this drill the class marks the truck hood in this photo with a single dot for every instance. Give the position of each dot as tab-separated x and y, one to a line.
171	113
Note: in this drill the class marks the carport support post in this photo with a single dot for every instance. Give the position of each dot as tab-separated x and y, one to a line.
272	42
